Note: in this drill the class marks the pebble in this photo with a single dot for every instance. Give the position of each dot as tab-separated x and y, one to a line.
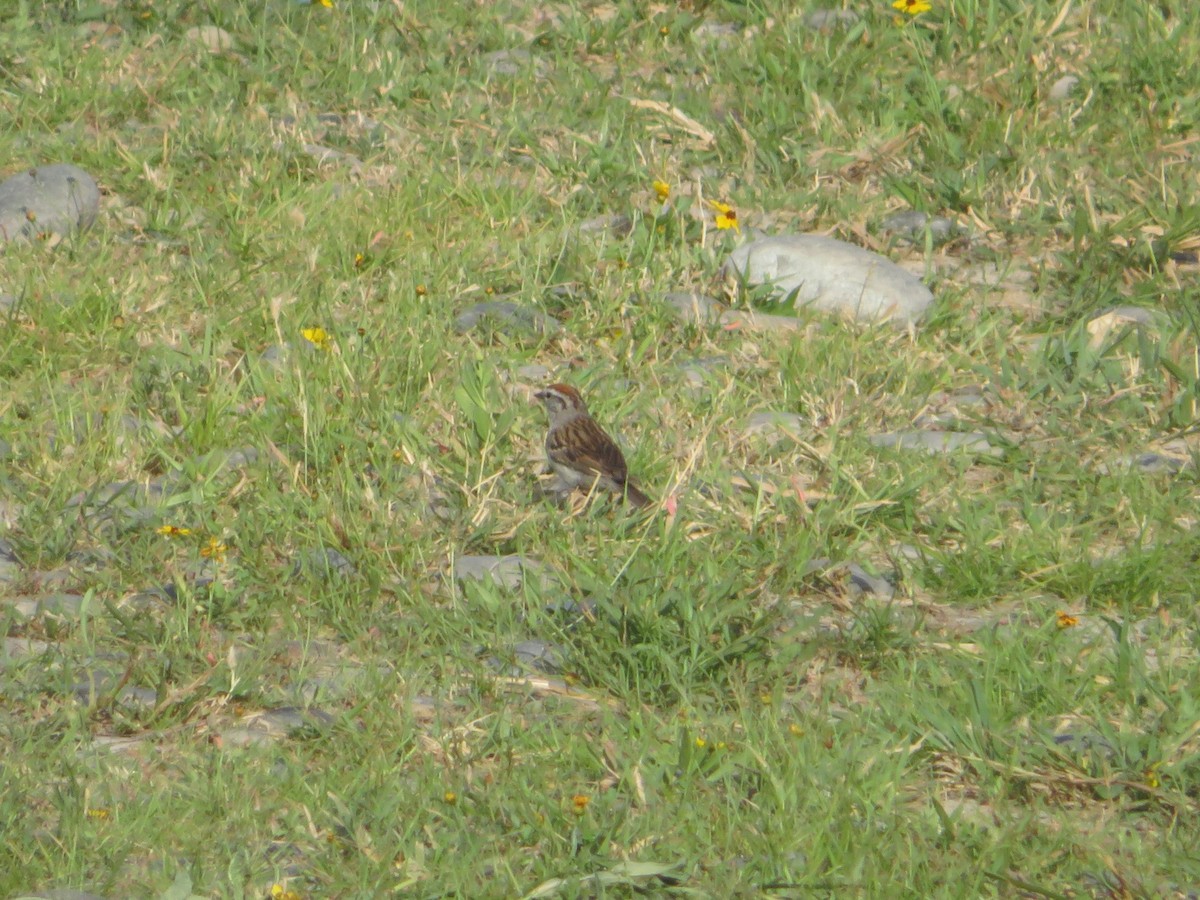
1062	88
10	566
820	19
55	200
512	62
211	38
820	272
694	307
619	225
775	425
325	563
507	317
911	225
506	571
934	442
854	577
530	656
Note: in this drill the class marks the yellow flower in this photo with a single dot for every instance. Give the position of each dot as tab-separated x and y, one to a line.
174	531
1152	779
328	4
795	730
580	802
98	813
701	743
450	797
662	189
360	260
214	550
726	216
1066	620
318	337
279	892
912	7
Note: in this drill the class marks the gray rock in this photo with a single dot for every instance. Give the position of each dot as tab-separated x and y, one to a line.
60	199
775	425
535	372
808	270
1151	463
619	225
720	33
699	374
934	442
820	19
693	307
530	656
863	582
67	606
910	225
324	562
857	580
506	316
512	62
506	571
10	566
1062	88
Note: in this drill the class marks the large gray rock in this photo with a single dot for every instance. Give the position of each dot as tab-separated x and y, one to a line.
813	270
49	200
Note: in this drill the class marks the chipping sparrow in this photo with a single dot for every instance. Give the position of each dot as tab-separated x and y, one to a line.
579	450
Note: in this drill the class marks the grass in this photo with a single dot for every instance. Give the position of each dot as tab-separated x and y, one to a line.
225	713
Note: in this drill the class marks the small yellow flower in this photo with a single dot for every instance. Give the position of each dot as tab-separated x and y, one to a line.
328	4
98	813
1152	779
662	189
360	260
1066	620
214	550
279	892
795	730
727	216
721	745
912	7
174	531
701	743
580	802
318	337
450	797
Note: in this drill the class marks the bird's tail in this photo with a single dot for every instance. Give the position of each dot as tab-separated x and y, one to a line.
634	496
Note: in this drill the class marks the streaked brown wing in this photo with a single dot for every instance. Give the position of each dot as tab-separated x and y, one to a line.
584	446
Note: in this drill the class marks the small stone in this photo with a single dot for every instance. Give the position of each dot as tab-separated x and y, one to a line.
56	200
775	425
527	657
911	225
619	225
822	19
287	720
935	442
721	33
808	270
211	38
506	316
512	62
535	373
693	307
1062	88
325	563
863	582
1150	463
10	566
506	571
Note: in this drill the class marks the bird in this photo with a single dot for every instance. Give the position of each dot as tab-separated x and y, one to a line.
580	451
